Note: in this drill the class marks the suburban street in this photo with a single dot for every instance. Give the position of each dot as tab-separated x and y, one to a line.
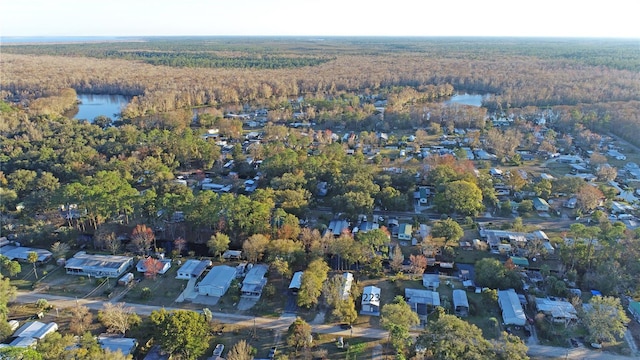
281	325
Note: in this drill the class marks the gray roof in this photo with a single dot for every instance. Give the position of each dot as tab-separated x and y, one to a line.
219	276
460	298
21	253
88	261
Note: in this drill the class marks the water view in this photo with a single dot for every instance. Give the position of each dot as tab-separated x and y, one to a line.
466	99
92	106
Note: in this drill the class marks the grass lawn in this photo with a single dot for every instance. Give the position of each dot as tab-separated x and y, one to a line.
164	289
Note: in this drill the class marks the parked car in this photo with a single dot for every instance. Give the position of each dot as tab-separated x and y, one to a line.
218	350
272	352
345	326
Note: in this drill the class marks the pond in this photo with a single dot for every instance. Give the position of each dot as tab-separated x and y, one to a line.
467	99
92	106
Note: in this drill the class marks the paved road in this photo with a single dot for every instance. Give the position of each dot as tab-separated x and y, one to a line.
282	324
276	324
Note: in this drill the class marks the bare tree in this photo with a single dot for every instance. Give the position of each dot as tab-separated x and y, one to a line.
398	259
142	238
118	317
81	319
180	244
418	264
112	244
240	351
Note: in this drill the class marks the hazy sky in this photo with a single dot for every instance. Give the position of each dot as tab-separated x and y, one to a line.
557	18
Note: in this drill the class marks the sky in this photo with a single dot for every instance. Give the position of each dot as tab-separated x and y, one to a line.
520	18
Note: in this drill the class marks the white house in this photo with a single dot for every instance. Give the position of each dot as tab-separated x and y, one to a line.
431	281
21	253
370	301
217	281
559	311
166	265
254	282
460	302
29	333
347	281
512	312
192	269
98	266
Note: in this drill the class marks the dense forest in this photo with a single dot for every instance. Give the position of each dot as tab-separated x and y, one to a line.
598	78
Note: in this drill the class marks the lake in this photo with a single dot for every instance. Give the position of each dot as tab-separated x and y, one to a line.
92	106
467	99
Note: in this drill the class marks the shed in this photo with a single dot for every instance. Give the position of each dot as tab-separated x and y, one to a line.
460	302
520	261
512	312
217	281
370	301
232	254
126	279
296	282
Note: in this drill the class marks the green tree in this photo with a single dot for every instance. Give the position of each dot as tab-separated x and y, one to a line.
491	273
218	244
510	347
449	337
448	229
398	318
299	334
12	267
461	197
181	332
605	319
311	283
19	353
54	346
543	188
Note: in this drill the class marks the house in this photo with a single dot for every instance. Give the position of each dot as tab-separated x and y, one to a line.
337	226
370	301
423	195
460	302
365	226
496	172
540	204
156	353
29	333
98	266
405	232
166	265
192	269
347	281
422	302
21	253
559	311
571	203
217	281
254	282
115	343
431	281
296	282
512	312
570	159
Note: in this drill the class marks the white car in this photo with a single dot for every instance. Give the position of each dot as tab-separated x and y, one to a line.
218	350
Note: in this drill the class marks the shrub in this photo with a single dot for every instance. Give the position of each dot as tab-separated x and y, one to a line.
145	293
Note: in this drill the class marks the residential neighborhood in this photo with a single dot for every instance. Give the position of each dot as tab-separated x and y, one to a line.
374	221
